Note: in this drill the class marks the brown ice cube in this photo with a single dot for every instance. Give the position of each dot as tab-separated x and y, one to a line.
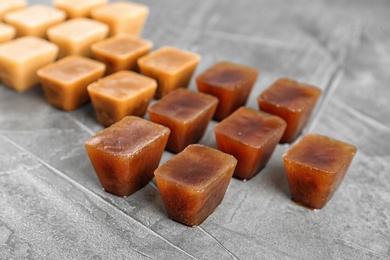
292	101
121	52
122	17
186	113
315	167
20	59
75	36
193	183
121	94
231	83
251	137
126	154
171	67
65	81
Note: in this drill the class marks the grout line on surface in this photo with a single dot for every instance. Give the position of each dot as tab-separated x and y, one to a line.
217	14
80	124
85	190
216	240
332	85
360	115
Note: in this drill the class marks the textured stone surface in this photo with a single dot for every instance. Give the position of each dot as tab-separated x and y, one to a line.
53	207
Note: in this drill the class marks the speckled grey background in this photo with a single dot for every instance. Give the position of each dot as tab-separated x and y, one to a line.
53	207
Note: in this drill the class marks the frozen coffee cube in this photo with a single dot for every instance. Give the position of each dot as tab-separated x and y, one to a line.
251	137
171	67
193	183
122	17
7	32
7	6
20	60
65	81
231	83
315	167
78	8
121	94
126	154
121	52
292	101
34	20
186	113
75	36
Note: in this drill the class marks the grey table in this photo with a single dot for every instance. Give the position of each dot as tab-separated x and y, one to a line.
53	207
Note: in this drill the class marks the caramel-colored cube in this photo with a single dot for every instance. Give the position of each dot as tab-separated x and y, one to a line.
75	36
315	167
122	17
171	67
20	60
65	81
7	6
186	113
251	137
121	52
230	83
121	94
292	101
7	32
126	154
34	20
78	8
193	183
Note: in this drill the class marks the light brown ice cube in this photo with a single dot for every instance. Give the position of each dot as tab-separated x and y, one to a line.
121	94
171	67
65	81
121	52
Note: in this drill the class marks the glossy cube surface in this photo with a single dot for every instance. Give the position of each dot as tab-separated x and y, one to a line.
121	52
186	113
231	83
121	94
292	101
65	81
315	167
193	183
171	67
251	137
126	154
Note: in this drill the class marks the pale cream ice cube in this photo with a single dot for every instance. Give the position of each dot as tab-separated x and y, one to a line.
75	36
20	59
